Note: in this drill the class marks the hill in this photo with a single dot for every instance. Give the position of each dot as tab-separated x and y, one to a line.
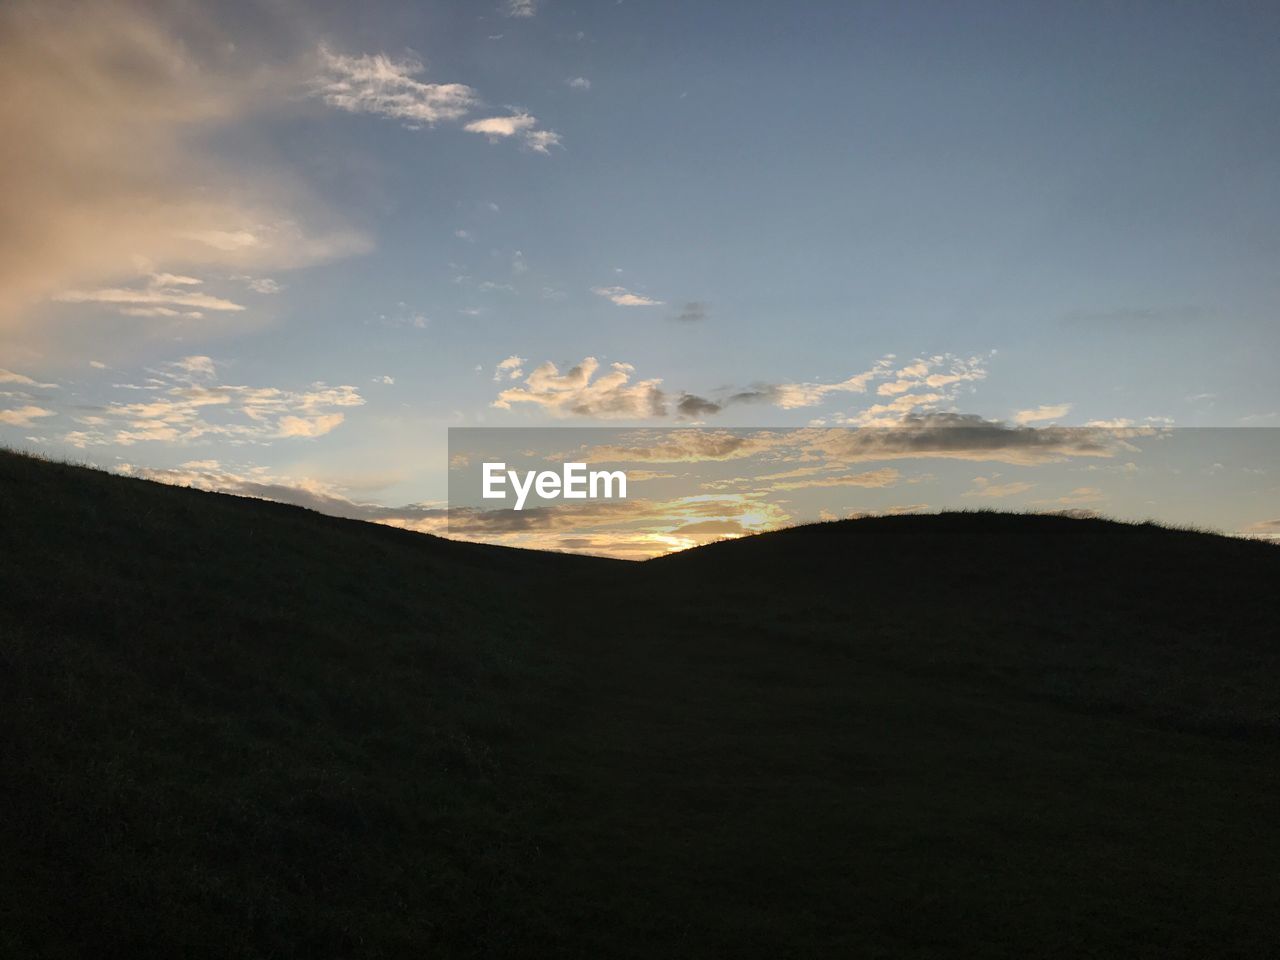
237	728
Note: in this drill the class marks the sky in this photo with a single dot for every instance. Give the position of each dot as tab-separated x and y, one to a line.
285	247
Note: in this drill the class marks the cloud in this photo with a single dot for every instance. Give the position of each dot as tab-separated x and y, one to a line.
520	8
926	373
985	487
264	285
511	368
941	374
377	84
922	436
693	407
579	83
385	380
519	124
196	366
114	114
625	298
962	437
541	141
9	376
890	414
575	393
189	404
163	295
1054	411
790	396
693	312
495	128
23	416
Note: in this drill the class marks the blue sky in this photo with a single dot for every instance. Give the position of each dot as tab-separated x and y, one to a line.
1068	208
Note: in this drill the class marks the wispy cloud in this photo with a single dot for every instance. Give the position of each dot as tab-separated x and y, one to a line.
520	125
579	83
143	95
378	84
575	393
264	285
929	435
496	128
625	298
520	8
934	373
790	396
1054	411
163	295
511	368
190	404
23	416
12	377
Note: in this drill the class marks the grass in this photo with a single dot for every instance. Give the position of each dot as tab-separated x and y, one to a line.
237	728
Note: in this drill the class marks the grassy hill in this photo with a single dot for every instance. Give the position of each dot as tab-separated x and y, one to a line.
236	728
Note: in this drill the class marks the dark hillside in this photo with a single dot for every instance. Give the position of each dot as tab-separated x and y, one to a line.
235	728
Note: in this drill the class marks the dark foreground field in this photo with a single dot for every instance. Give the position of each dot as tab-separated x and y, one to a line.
231	728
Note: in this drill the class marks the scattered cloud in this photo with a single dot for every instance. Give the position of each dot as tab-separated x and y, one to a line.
520	8
114	109
495	128
189	404
21	380
520	125
934	373
163	295
790	396
625	298
579	83
575	393
920	436
377	84
386	381
511	368
23	416
541	141
1055	411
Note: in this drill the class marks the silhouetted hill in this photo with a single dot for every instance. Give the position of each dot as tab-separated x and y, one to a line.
236	728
